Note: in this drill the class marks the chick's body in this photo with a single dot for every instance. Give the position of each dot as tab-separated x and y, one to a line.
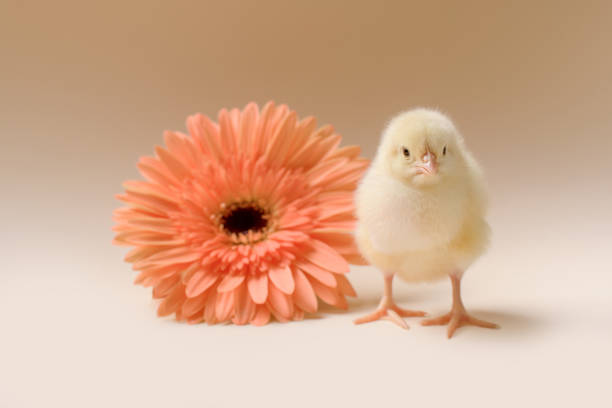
421	211
420	235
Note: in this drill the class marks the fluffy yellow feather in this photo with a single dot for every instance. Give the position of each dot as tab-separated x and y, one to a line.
421	210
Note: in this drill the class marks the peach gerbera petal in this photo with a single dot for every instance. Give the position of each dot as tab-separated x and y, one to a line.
174	256
258	288
328	295
304	295
224	306
195	319
154	171
163	288
326	257
341	242
244	218
209	308
244	307
280	302
141	252
277	316
194	305
155	274
262	316
176	168
230	282
282	279
199	282
320	274
172	302
345	286
298	315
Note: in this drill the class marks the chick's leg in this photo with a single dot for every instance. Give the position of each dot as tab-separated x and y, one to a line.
458	316
388	310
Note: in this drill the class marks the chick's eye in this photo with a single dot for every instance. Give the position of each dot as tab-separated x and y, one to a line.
406	152
444	150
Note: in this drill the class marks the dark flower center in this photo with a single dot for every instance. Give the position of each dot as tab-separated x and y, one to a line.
242	219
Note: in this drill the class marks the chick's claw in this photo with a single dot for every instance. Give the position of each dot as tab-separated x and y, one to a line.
383	314
408	313
392	313
458	318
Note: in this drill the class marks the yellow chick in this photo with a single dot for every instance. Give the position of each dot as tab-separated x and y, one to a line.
420	210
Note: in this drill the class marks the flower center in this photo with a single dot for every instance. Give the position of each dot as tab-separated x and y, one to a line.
240	218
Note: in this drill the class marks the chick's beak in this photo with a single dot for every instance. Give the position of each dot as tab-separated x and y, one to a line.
429	164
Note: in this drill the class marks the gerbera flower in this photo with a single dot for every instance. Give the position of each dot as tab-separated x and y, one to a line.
245	218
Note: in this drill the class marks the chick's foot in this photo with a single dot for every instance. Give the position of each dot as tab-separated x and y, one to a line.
458	317
390	311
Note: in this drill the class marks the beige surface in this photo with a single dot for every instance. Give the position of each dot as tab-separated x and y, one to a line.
85	89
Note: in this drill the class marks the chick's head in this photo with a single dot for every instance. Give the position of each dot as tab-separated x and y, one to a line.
421	147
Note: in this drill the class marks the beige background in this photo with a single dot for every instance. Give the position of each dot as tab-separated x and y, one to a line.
88	87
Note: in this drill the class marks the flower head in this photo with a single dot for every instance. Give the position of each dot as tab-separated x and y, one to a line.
245	218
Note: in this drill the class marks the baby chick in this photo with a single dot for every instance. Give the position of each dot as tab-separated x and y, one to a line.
420	210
